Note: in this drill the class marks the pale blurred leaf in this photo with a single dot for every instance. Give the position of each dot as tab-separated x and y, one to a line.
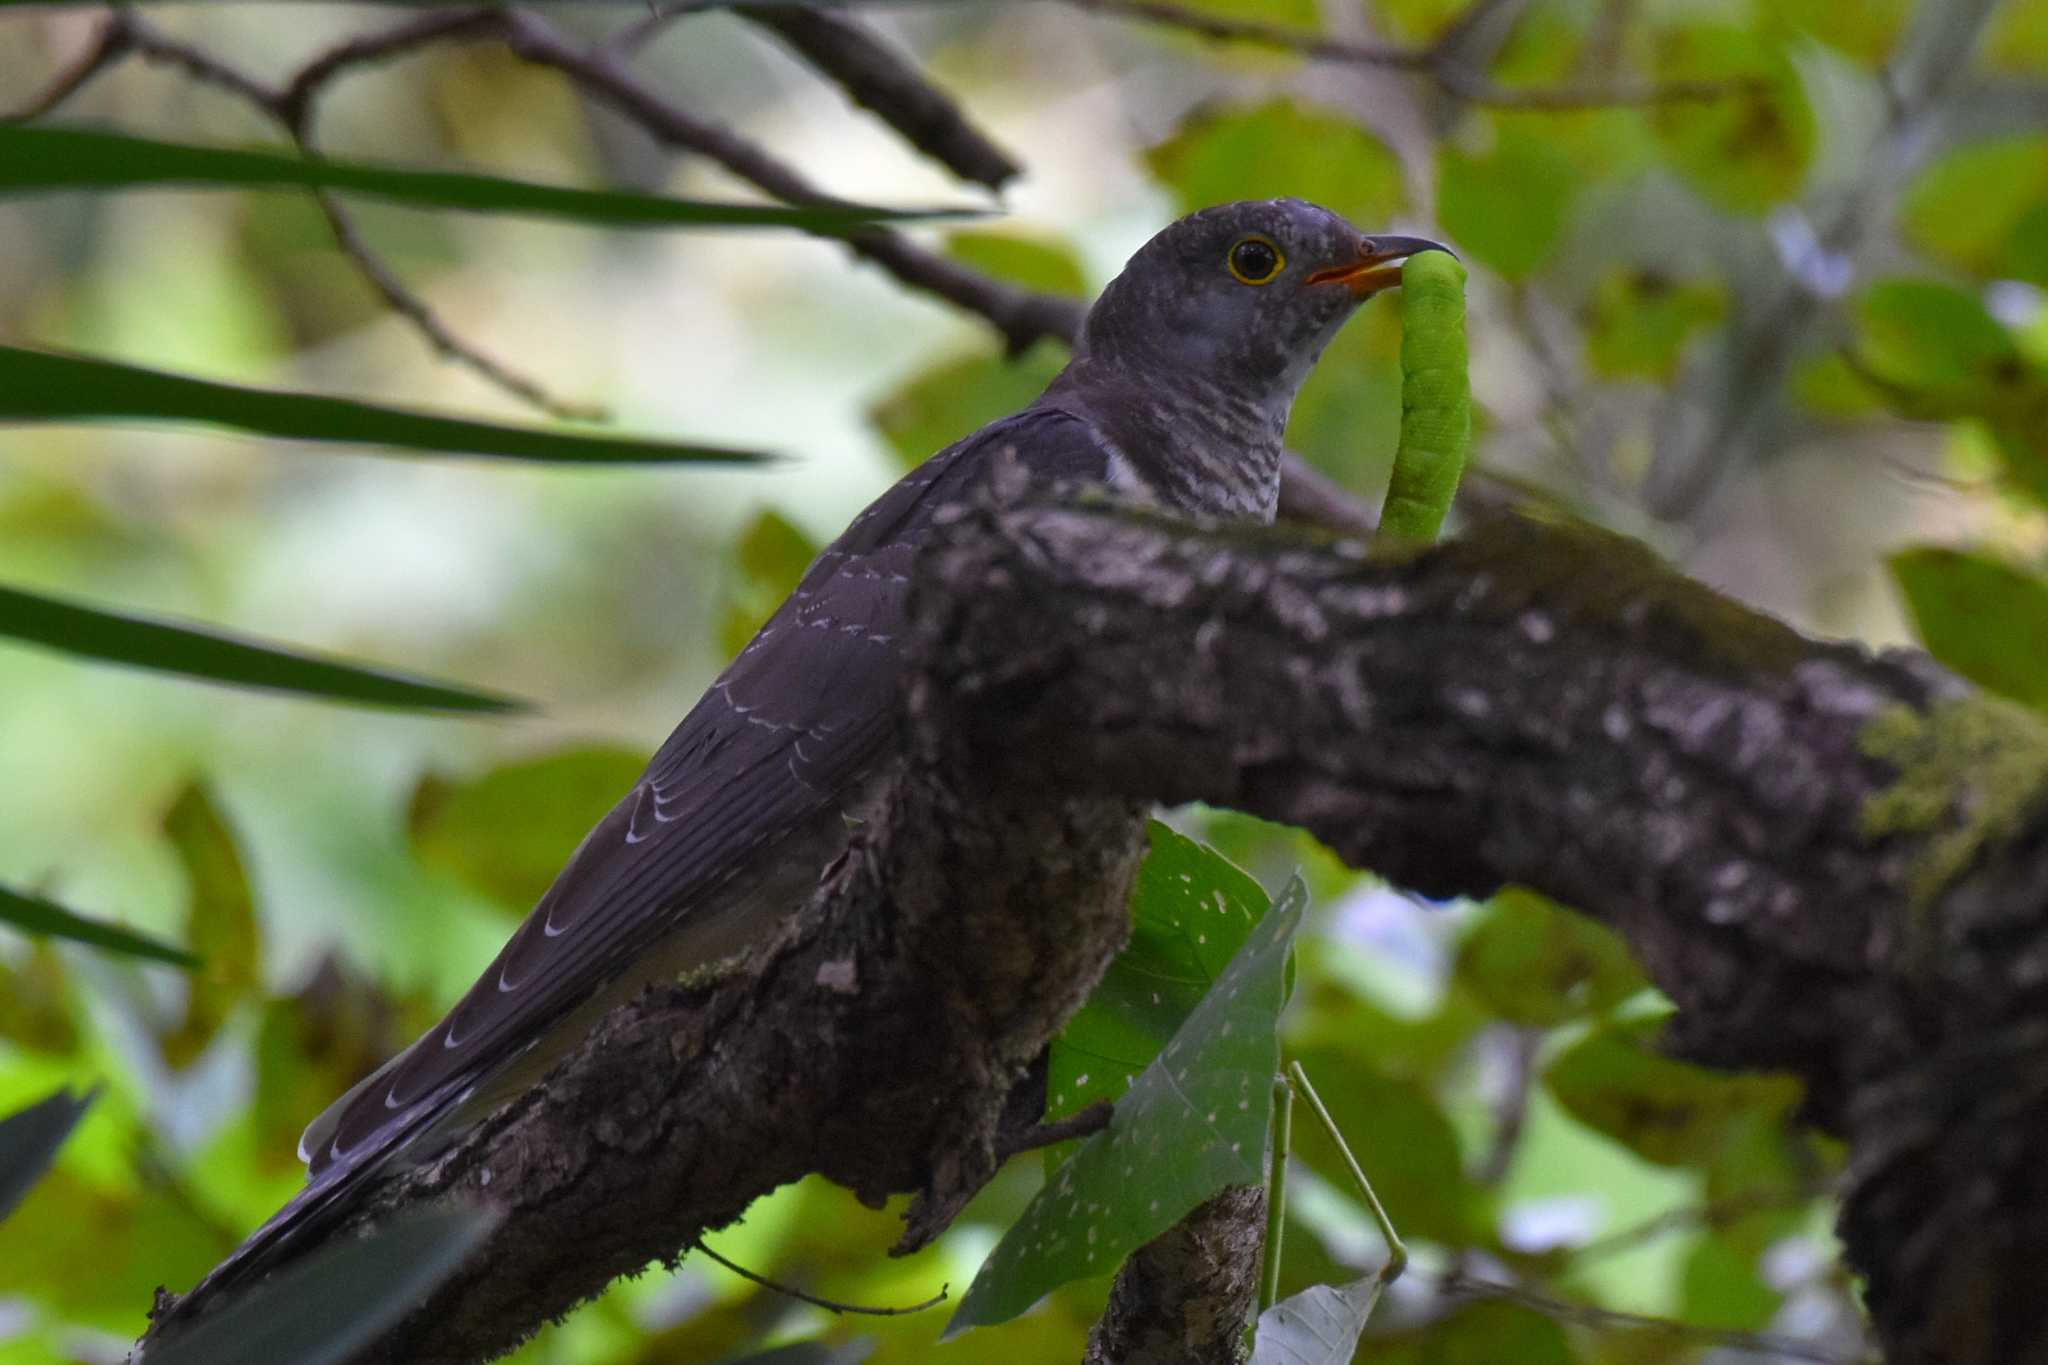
1507	207
220	921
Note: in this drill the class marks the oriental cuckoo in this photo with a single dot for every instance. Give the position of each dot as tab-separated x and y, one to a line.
1177	395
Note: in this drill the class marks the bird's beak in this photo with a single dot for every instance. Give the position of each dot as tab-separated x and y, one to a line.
1372	271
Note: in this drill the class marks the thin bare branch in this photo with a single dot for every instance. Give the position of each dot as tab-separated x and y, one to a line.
1217	28
1713	1214
292	106
295	101
877	78
815	1300
159	47
1021	315
438	334
108	46
1457	1285
1432	62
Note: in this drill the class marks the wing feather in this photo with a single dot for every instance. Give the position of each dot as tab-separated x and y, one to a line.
806	710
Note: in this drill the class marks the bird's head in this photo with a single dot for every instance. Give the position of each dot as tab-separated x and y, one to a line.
1241	299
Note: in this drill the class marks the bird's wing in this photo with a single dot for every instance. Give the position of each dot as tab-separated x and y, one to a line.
808	707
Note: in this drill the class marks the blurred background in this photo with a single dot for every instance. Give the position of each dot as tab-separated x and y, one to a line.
1757	281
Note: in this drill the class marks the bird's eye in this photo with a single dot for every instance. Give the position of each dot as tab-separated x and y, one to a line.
1254	260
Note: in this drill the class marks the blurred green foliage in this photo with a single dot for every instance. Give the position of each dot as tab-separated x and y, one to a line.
1643	268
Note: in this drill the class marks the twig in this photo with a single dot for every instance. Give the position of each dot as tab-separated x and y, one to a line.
1280	1142
876	78
1457	1284
201	66
829	1305
1512	1112
1397	1250
449	346
1710	1215
292	106
1082	1123
1741	393
1021	315
1217	28
109	45
1432	62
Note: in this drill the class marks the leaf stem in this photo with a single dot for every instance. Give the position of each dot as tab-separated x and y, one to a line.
1282	1137
1397	1251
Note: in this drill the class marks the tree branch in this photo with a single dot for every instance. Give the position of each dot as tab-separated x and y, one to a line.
1834	863
1438	62
894	90
1185	1296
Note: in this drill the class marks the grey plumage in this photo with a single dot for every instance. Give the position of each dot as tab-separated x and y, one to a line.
1178	394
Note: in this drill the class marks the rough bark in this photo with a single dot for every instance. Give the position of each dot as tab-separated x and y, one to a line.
1188	1294
1833	862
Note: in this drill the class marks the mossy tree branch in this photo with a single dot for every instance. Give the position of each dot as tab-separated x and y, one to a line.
1833	862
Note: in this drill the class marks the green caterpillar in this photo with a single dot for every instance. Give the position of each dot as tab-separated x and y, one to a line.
1436	399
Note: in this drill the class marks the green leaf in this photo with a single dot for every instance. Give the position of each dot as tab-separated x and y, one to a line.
90	1252
34	915
1537	964
1318	1326
1723	1286
1937	342
509	831
959	395
1028	262
37	1012
1667	1112
143	643
1507	206
319	1310
1282	148
45	386
29	1139
2018	41
1639	321
42	159
1966	207
1193	1122
1986	620
770	560
1419	21
1748	151
1192	909
220	922
1867	31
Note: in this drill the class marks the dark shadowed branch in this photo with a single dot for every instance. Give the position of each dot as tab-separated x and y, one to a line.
881	80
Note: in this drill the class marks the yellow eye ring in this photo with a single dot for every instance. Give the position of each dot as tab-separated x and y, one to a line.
1254	260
